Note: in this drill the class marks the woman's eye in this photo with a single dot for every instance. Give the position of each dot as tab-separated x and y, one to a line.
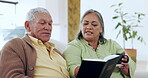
94	24
85	23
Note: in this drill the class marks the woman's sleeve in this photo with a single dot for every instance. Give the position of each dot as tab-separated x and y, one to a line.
132	64
72	54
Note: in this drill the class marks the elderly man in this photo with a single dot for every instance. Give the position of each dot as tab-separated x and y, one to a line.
33	56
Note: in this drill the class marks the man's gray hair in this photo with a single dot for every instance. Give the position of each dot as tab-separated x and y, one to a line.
31	15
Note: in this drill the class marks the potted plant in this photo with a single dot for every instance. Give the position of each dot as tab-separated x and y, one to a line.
127	24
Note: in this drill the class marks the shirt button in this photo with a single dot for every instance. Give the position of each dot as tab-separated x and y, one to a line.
31	68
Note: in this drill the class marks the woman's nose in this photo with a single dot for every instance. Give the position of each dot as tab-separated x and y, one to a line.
89	26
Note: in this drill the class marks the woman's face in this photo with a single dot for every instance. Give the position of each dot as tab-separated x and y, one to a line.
91	27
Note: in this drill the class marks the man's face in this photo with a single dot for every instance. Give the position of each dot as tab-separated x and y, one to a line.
41	27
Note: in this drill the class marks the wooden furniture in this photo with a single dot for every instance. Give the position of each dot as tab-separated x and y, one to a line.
132	53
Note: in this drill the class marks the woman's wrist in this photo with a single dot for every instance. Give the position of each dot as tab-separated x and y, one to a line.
76	71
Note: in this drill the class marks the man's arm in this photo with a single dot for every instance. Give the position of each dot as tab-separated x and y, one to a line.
11	64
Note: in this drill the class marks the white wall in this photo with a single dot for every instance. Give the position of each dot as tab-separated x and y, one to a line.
57	9
103	6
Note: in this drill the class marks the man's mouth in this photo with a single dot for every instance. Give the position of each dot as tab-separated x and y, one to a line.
48	33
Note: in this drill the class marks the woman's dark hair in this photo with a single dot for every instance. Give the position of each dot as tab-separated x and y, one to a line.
101	37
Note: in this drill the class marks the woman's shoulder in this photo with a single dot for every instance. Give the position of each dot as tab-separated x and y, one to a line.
75	42
111	42
74	45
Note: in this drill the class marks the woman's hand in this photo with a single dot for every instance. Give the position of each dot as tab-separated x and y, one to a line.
76	71
125	66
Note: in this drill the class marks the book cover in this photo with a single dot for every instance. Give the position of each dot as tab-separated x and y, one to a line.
98	68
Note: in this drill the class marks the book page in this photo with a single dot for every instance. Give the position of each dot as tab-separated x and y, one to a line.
95	60
103	60
110	57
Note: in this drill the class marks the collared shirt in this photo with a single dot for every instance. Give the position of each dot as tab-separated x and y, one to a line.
78	50
48	64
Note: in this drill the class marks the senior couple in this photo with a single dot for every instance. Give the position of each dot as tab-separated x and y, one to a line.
33	56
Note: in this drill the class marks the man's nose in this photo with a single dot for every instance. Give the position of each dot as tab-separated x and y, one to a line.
47	27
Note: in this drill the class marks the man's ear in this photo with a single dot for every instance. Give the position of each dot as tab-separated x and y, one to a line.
27	26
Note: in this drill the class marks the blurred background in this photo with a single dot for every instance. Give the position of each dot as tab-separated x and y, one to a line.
66	15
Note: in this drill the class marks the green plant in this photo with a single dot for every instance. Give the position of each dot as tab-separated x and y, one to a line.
127	24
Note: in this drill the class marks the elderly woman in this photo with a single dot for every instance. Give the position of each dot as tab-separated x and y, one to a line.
91	44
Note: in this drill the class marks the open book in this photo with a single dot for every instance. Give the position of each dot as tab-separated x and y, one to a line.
98	68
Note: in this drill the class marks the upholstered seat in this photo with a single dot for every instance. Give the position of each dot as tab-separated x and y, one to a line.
58	45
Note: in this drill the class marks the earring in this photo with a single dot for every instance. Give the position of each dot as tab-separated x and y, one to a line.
101	34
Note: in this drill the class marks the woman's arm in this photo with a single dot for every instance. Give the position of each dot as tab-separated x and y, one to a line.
127	69
72	54
76	71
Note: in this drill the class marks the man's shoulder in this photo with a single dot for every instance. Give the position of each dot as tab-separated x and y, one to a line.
13	44
14	40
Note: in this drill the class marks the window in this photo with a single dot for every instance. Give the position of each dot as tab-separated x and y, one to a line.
8	26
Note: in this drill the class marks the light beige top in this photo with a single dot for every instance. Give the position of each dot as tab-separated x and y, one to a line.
48	65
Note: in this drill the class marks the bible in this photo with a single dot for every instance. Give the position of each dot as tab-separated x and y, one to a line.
98	68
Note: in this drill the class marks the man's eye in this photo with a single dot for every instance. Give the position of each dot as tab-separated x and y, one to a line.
42	23
49	24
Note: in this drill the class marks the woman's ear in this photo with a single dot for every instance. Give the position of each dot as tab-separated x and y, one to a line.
80	27
101	30
27	26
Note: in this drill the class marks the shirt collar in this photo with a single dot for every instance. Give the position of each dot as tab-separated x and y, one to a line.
86	43
36	41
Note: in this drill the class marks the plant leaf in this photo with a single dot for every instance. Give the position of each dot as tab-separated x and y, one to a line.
125	14
116	10
120	4
134	34
125	37
118	34
139	15
112	5
142	14
117	25
140	38
115	17
124	21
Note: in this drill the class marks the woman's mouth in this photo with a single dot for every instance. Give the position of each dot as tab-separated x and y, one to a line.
89	32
